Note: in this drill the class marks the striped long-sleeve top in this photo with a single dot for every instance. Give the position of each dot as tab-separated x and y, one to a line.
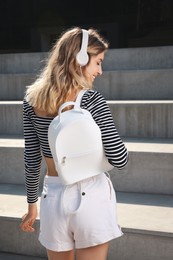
36	139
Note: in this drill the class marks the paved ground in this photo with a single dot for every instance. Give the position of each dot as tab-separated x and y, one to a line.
4	256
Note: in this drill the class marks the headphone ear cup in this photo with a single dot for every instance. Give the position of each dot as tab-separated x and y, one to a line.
82	56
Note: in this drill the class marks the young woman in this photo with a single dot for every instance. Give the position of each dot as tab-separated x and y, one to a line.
71	217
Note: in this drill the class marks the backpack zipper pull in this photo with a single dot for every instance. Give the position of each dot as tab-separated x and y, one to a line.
63	160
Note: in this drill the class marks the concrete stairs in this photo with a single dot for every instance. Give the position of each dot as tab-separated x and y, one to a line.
6	256
137	84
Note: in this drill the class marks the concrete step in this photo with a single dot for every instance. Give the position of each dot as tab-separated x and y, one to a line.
22	62
13	86
6	256
13	205
143	118
139	58
150	162
115	59
145	219
11	160
149	169
136	84
139	119
114	85
11	118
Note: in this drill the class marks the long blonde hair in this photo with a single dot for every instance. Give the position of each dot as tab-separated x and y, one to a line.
61	75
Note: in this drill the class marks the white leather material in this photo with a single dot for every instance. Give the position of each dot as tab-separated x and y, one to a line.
76	145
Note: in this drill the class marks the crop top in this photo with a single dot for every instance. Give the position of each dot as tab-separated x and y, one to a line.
36	139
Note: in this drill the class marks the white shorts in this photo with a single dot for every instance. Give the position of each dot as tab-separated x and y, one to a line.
79	215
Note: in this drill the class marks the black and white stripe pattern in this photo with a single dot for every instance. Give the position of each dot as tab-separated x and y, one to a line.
115	149
36	139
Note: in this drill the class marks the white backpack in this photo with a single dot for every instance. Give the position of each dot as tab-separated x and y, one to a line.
76	144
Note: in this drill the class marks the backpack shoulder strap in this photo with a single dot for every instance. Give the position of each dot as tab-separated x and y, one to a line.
75	103
79	97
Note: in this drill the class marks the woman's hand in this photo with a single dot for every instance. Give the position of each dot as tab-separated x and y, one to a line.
29	218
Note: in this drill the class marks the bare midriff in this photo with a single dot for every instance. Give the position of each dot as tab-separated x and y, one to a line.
51	171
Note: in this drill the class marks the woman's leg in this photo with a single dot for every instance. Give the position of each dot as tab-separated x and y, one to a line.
93	253
67	255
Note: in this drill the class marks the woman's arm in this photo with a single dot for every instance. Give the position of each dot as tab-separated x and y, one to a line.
32	162
115	149
32	156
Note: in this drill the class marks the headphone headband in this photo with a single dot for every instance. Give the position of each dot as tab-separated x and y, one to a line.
82	56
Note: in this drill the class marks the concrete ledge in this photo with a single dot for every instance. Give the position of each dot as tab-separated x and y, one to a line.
150	162
145	219
139	246
114	85
149	169
149	119
18	242
136	84
22	62
11	160
146	213
6	256
115	59
13	86
139	58
133	118
11	118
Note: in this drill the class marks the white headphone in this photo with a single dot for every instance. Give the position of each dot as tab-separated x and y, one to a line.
82	56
